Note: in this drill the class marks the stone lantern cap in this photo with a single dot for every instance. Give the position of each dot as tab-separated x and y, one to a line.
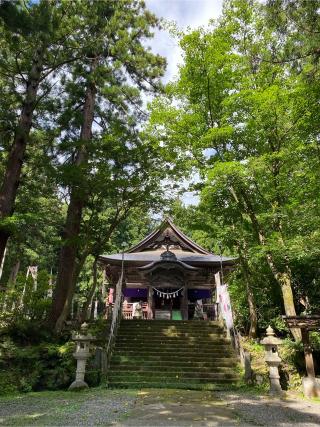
271	339
83	334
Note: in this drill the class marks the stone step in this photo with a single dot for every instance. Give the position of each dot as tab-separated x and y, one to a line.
190	385
169	333
165	346
170	368
166	333
162	338
174	359
173	343
160	362
186	338
169	326
204	354
175	356
162	327
181	354
165	376
168	321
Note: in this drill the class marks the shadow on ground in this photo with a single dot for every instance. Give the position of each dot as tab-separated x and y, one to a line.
205	408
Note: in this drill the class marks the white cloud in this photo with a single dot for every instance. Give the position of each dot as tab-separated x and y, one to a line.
186	14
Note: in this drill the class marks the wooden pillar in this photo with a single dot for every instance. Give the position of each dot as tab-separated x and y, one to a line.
184	303
308	353
103	287
150	302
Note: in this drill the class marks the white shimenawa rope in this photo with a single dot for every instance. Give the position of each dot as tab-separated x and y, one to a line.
167	294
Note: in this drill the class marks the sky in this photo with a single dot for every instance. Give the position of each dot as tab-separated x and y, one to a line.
186	14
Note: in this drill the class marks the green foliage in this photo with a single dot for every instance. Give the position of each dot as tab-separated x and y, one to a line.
291	368
8	384
26	301
31	359
293	363
47	366
244	114
120	170
315	340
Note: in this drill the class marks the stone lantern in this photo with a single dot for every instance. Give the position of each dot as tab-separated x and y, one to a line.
81	354
273	360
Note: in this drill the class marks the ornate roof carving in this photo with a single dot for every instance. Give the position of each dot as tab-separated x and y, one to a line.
167	236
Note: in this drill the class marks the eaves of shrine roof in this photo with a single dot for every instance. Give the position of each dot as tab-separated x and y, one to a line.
168	261
146	257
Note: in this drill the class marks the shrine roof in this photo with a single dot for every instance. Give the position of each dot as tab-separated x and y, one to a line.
166	237
146	257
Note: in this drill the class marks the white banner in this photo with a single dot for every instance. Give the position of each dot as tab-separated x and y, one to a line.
223	298
33	271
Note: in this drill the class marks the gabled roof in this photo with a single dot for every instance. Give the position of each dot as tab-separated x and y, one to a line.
167	231
167	237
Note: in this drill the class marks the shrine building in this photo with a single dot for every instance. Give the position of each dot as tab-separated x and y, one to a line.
168	274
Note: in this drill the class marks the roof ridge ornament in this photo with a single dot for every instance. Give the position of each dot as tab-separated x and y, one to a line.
168	256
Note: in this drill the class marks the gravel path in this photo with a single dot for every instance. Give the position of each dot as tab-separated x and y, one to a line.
211	409
101	407
267	411
87	408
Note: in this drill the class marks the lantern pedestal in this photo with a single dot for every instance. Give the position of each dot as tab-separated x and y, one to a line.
275	386
273	360
81	355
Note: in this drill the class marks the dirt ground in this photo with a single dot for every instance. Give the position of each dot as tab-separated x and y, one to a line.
152	407
201	408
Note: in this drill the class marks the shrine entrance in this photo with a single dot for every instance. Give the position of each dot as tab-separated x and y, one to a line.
167	279
167	303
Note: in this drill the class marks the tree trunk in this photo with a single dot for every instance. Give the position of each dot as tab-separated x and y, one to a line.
250	298
2	262
12	174
69	249
87	304
13	273
282	278
79	266
68	303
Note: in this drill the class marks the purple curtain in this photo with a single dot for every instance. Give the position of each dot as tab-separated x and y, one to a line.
136	292
199	293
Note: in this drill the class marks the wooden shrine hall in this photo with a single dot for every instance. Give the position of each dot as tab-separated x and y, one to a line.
168	275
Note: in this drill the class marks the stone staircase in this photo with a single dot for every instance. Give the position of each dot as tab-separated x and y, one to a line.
172	354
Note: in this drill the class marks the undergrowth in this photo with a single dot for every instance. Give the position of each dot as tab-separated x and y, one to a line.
32	359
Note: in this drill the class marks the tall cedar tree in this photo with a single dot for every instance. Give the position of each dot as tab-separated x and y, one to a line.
112	73
38	38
